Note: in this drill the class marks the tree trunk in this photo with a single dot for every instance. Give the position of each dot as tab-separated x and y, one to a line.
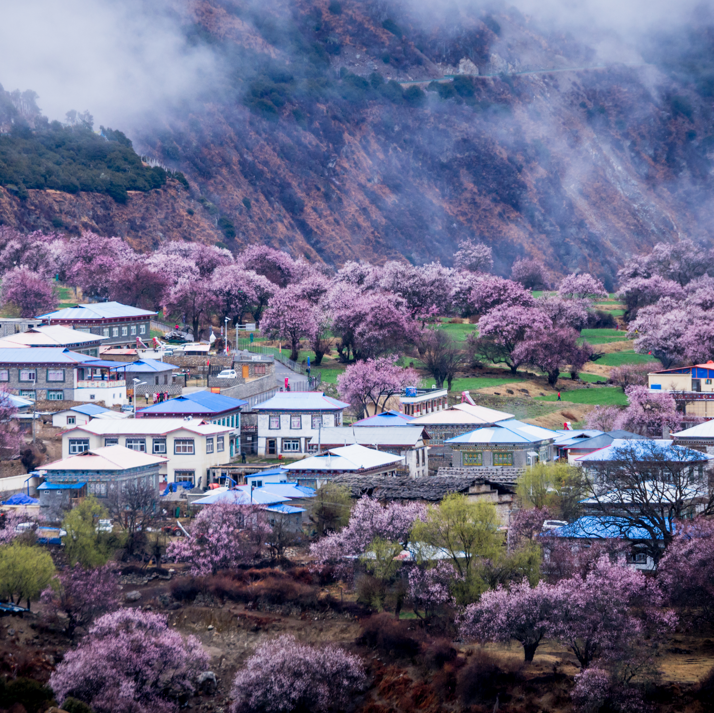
529	651
553	377
294	346
195	323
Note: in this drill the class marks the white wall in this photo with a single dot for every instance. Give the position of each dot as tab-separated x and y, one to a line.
59	419
304	433
115	396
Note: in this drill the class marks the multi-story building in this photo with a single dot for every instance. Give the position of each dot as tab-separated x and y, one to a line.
420	402
54	336
97	472
692	388
148	376
15	325
54	374
288	422
461	418
118	323
191	446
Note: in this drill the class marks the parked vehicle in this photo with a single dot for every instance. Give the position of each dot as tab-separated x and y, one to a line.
105	526
228	374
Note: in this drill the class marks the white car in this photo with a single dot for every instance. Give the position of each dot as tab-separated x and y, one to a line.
228	374
105	526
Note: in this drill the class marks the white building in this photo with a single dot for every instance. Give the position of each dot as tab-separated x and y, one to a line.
288	422
79	415
420	402
410	443
192	446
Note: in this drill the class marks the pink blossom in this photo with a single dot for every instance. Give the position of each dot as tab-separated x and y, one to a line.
579	286
602	418
36	251
661	330
565	312
550	350
192	301
491	292
473	256
130	662
424	289
290	318
13	518
630	375
648	412
356	274
223	535
372	382
369	520
429	587
643	291
530	273
31	292
139	284
284	675
274	264
525	525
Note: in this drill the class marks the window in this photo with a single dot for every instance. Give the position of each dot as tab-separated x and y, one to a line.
142	329
259	369
220	443
78	445
71	420
98	489
55	395
503	458
55	375
159	446
291	446
4	375
124	331
472	458
28	375
209	445
111	442
274	423
316	422
115	331
296	422
636	558
105	332
133	331
184	476
184	447
136	444
27	394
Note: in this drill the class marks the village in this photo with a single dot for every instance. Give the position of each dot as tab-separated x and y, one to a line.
437	466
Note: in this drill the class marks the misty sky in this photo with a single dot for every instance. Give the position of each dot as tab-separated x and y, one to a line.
122	59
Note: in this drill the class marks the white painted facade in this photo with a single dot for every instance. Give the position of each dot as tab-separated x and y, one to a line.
289	434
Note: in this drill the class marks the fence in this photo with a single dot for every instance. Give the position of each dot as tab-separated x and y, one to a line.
314	380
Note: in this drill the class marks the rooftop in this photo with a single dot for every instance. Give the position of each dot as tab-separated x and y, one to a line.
700	431
645	449
432	489
147	365
388	418
463	414
510	431
301	401
346	458
100	310
370	436
54	335
43	355
596	528
149	427
605	439
197	403
566	437
88	409
101	459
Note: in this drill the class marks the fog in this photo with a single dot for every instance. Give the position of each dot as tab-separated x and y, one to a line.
118	59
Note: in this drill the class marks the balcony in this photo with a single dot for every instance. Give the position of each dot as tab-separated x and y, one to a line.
101	384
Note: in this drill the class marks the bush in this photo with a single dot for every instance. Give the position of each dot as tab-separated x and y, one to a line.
24	691
72	705
601	319
439	652
385	633
483	678
187	589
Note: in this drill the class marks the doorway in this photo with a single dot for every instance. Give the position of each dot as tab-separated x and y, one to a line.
272	447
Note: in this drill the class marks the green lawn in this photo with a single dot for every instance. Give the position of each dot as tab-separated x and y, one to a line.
592	378
601	396
603	336
626	357
481	382
458	332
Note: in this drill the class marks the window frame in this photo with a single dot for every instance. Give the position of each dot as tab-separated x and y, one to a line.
71	420
158	442
115	331
184	476
130	442
50	380
105	331
287	441
472	458
209	445
296	419
52	395
33	380
142	329
179	444
125	331
4	375
220	444
132	331
111	442
272	421
320	423
72	446
503	456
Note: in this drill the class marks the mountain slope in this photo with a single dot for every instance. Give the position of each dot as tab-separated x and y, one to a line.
308	143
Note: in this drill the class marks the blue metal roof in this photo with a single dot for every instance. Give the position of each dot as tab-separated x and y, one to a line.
509	431
60	486
388	418
200	402
44	355
301	401
270	471
642	448
148	365
287	490
591	528
89	409
101	310
285	509
569	437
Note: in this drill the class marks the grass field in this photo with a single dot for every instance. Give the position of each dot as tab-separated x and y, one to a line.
601	396
603	336
625	357
472	383
458	332
592	378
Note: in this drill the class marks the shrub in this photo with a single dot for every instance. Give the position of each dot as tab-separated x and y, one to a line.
385	633
30	695
483	678
439	652
72	705
284	676
601	319
187	589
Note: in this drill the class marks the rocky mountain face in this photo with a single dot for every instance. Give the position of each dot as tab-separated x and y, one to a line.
365	129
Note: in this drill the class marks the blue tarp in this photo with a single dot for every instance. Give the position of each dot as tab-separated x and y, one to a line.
21	499
61	486
173	487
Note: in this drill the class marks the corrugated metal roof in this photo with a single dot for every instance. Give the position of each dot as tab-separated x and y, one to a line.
100	310
596	528
285	509
462	414
148	365
43	355
510	431
107	458
149	427
388	418
89	409
60	486
641	449
288	490
54	335
369	436
301	401
347	458
701	430
200	402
